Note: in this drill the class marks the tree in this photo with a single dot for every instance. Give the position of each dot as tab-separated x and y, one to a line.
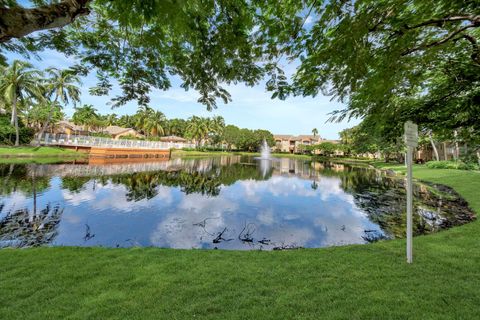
127	121
231	136
17	82
216	127
37	115
314	132
149	121
198	129
327	148
176	127
85	116
375	50
62	84
155	124
413	60
7	131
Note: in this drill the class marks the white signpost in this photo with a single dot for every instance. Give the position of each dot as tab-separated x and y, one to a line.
411	140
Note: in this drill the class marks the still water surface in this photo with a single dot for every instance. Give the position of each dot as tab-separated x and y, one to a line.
220	202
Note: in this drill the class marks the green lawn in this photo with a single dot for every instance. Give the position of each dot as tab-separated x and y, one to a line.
37	152
353	282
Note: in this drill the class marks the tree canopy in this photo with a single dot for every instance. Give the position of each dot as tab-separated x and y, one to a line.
141	43
388	61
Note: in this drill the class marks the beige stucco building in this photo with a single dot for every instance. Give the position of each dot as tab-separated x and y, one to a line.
117	132
69	128
291	144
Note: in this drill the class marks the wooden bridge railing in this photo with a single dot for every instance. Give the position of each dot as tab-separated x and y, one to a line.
88	141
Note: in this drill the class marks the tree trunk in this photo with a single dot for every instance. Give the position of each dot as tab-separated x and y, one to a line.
435	151
445	157
15	119
49	118
457	150
478	158
17	22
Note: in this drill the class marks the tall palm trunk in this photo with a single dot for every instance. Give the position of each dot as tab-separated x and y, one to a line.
47	123
15	119
435	151
457	149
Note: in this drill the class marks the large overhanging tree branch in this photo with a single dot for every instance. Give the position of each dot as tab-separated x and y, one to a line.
474	19
17	21
440	41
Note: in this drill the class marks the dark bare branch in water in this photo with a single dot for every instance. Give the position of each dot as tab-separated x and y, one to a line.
219	238
247	232
88	234
265	241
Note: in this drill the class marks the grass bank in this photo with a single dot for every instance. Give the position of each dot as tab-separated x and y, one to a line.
38	152
352	282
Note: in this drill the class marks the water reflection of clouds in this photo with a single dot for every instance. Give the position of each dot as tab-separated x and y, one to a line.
276	186
282	209
112	196
330	187
180	227
266	216
16	201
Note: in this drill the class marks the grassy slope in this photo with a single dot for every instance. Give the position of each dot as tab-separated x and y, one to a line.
38	152
354	282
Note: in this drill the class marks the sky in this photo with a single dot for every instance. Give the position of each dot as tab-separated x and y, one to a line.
251	107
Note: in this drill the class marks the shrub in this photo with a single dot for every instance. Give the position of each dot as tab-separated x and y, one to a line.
100	135
130	137
451	165
7	132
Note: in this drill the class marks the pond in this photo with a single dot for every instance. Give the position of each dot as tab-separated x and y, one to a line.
223	202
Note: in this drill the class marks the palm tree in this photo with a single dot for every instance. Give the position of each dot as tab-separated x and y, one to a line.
127	121
85	116
155	123
3	103
111	119
198	129
17	82
176	127
63	85
37	114
314	132
217	124
143	113
161	119
216	127
150	121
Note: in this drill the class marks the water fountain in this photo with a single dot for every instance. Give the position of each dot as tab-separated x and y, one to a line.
265	158
265	151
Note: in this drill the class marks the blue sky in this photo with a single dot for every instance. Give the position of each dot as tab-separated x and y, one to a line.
251	107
